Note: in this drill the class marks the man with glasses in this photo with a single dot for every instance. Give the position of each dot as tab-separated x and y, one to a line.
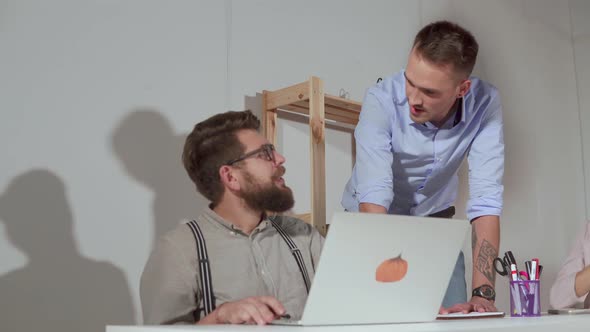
235	263
415	130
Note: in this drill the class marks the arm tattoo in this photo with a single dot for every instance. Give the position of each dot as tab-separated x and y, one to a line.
485	259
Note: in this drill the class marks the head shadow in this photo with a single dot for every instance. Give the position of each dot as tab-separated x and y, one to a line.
151	153
58	289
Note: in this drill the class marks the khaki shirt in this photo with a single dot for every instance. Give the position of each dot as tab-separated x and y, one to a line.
259	264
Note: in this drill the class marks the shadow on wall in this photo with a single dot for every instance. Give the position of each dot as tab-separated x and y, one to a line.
151	153
254	104
58	290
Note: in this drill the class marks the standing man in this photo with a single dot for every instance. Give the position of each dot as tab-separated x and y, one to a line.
415	129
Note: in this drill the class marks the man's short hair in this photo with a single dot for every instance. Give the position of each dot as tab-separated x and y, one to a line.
446	43
210	145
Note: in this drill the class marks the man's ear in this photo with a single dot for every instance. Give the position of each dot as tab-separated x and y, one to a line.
227	174
463	88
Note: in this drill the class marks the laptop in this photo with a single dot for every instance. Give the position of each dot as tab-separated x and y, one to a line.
379	269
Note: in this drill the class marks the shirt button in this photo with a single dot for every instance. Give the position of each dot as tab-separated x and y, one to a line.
262	272
232	233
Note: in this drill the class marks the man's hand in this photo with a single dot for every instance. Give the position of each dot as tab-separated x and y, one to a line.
476	304
582	282
252	310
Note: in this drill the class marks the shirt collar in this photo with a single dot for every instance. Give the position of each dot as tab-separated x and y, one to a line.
228	226
459	113
458	116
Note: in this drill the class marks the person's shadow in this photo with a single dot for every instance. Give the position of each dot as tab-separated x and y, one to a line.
58	290
151	153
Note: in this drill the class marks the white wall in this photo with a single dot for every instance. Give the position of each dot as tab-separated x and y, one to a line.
98	95
96	98
580	12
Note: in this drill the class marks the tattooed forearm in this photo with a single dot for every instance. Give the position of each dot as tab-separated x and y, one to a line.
485	260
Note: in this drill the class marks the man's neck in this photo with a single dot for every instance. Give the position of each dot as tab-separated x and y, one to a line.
235	211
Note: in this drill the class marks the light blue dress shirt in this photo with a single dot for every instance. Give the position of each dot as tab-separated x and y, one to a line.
411	168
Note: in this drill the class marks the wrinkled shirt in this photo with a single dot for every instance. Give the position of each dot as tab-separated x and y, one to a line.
411	168
242	265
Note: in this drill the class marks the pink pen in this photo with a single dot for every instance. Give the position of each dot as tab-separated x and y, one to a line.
535	267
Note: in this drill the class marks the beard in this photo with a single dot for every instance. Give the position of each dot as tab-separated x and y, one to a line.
267	197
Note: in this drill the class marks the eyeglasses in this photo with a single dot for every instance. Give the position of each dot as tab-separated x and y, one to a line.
267	152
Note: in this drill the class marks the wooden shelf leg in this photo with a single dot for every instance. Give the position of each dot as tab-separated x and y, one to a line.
269	120
317	154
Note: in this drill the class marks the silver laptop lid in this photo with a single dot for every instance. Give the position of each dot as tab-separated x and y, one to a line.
420	252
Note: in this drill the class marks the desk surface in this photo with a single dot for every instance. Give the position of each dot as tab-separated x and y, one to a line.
561	323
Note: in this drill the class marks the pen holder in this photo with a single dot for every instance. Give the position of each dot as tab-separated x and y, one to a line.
525	298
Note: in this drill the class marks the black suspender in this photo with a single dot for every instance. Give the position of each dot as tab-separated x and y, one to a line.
296	253
205	271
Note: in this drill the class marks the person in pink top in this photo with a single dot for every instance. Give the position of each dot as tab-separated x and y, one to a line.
573	281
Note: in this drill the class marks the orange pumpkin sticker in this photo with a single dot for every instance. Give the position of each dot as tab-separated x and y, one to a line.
392	270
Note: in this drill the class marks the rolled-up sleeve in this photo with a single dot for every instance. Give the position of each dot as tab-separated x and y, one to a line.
486	164
374	157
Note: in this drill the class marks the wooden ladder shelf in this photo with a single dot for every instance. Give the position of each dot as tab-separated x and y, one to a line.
308	98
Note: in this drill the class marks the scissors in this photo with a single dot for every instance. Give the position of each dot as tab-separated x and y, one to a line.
505	262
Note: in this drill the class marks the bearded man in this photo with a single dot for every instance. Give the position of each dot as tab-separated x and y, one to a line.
235	263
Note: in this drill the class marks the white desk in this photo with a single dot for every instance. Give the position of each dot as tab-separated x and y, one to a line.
561	323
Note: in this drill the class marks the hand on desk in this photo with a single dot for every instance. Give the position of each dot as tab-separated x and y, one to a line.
477	304
259	310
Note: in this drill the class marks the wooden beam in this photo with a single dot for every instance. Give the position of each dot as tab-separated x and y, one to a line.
318	154
343	103
286	96
340	119
330	114
304	216
342	109
269	121
296	109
